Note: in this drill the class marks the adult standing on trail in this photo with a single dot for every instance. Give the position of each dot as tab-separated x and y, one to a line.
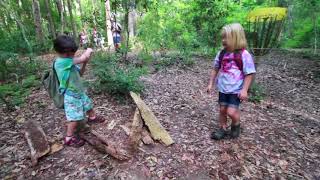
95	36
83	39
116	34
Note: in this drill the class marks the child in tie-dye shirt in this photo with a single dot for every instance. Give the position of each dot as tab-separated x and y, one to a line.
233	70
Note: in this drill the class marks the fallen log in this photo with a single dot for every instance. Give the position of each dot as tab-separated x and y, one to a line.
156	129
37	141
98	142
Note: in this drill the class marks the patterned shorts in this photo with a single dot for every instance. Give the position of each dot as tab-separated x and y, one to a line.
76	106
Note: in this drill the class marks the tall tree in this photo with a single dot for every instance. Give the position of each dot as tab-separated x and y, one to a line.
49	16
73	24
65	9
108	24
37	20
132	17
18	21
61	14
80	10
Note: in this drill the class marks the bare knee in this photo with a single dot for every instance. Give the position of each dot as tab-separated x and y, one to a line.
233	113
223	111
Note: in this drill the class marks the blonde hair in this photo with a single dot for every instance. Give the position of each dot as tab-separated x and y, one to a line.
236	38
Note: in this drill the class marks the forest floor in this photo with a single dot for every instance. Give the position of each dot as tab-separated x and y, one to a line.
279	140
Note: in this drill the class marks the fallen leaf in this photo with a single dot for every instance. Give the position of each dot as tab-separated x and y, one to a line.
112	124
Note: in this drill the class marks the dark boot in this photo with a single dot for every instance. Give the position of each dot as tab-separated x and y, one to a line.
235	131
220	134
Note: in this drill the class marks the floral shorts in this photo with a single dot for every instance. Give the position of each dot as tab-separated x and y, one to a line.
76	105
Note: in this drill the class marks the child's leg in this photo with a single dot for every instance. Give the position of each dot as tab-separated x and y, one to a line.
88	108
221	133
91	114
234	114
71	128
223	117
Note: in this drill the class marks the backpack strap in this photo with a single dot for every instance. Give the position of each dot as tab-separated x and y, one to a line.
67	84
222	53
238	58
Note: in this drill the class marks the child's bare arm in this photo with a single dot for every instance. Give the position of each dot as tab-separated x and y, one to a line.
247	82
213	75
83	68
83	58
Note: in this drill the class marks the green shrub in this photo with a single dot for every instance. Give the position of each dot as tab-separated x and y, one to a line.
18	75
256	92
171	59
114	77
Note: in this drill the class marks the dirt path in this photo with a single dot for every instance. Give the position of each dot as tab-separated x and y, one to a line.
280	136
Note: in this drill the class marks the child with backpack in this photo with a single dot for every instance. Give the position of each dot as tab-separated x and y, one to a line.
233	70
76	103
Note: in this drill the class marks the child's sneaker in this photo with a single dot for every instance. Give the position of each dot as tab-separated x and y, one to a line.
220	134
74	141
97	119
235	131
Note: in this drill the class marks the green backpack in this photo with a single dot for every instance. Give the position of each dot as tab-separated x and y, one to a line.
51	83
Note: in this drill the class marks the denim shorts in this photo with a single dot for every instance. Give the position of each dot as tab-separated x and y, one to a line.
229	100
76	105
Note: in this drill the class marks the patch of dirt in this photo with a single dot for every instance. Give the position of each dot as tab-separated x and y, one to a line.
280	136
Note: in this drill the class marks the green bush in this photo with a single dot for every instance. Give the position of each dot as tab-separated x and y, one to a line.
114	77
256	92
18	75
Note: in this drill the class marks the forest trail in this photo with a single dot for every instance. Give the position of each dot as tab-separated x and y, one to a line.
280	135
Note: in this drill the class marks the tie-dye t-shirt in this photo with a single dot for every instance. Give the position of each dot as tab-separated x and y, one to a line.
230	78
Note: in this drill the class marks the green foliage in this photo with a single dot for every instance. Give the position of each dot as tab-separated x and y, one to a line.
171	59
256	92
302	22
114	77
19	75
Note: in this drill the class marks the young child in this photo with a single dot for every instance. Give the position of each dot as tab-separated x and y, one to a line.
76	103
234	68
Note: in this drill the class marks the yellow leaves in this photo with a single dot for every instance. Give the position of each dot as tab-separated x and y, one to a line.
273	12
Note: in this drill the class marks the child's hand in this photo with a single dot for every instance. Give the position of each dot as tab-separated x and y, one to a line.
243	95
89	51
209	89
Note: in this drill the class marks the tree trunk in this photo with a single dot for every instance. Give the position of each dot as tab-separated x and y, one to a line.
66	22
80	10
61	14
19	24
315	32
49	16
127	31
37	20
74	31
108	24
132	19
94	14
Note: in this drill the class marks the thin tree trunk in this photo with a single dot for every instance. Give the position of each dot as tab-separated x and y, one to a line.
80	10
108	24
61	14
315	32
132	19
127	31
74	30
37	20
49	16
66	22
94	5
19	24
